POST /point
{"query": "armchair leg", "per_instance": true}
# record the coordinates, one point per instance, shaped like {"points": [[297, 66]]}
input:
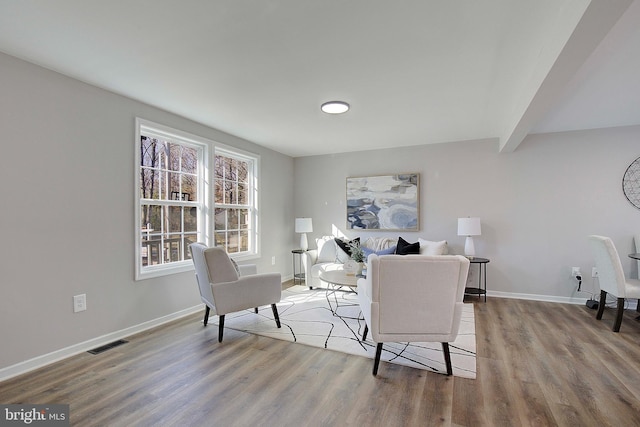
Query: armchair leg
{"points": [[366, 331], [221, 328], [603, 300], [620, 312], [275, 314], [206, 315], [377, 359], [447, 358]]}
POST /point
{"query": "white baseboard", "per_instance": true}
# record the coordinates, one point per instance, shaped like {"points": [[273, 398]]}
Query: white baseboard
{"points": [[55, 356], [631, 304], [535, 297]]}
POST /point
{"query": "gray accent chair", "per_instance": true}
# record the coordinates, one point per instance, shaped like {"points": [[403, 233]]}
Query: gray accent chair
{"points": [[225, 290], [413, 298], [611, 277]]}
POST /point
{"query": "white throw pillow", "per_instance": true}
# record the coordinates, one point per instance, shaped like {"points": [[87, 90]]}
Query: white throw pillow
{"points": [[428, 247], [326, 249]]}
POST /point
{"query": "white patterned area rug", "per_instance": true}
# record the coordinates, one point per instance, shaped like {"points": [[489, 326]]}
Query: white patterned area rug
{"points": [[332, 319]]}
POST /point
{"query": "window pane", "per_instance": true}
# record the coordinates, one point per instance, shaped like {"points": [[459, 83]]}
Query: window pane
{"points": [[174, 185], [163, 185], [149, 184], [173, 249], [188, 239], [231, 193], [243, 171], [221, 239], [218, 193], [242, 194], [175, 219], [220, 219], [189, 160], [152, 214], [233, 242], [173, 152], [244, 218], [148, 153], [191, 219], [189, 187], [232, 219], [244, 240]]}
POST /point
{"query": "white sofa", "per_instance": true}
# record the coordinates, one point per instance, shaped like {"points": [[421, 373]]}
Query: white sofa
{"points": [[329, 256]]}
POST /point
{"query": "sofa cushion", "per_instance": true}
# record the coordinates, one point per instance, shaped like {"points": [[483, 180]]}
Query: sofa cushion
{"points": [[316, 269], [427, 247], [379, 243], [343, 251], [326, 249], [387, 251], [406, 248]]}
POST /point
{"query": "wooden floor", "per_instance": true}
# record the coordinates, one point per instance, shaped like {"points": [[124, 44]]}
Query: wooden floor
{"points": [[538, 364]]}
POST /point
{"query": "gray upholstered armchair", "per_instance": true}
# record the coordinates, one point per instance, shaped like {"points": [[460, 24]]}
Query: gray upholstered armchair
{"points": [[224, 289], [413, 298]]}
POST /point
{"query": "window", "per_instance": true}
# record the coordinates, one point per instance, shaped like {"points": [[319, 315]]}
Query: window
{"points": [[235, 202], [180, 201], [170, 197]]}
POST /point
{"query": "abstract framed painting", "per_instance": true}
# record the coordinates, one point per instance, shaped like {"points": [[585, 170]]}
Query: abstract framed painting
{"points": [[384, 202]]}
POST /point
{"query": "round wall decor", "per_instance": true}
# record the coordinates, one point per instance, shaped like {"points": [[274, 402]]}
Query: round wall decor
{"points": [[631, 183]]}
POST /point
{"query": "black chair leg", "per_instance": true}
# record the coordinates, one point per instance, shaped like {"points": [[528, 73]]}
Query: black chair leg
{"points": [[447, 358], [256, 310], [206, 315], [366, 331], [376, 362], [619, 313], [275, 314], [221, 328], [603, 300]]}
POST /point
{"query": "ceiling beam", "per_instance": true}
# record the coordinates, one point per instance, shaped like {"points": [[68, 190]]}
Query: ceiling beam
{"points": [[597, 20]]}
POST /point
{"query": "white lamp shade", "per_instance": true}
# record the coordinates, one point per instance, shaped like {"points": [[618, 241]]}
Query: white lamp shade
{"points": [[469, 226], [304, 225]]}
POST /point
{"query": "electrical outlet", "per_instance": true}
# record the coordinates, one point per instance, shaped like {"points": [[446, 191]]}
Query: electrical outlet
{"points": [[273, 260], [79, 303], [575, 271], [594, 272]]}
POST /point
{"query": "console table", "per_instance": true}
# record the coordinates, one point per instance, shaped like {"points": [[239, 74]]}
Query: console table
{"points": [[482, 279]]}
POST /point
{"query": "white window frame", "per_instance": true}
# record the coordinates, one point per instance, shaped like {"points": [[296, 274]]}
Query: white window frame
{"points": [[145, 127], [254, 197]]}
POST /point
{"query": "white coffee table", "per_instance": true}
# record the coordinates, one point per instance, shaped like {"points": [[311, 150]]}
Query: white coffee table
{"points": [[339, 278]]}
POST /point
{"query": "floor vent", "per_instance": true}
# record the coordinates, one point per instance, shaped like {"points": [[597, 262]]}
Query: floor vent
{"points": [[106, 347]]}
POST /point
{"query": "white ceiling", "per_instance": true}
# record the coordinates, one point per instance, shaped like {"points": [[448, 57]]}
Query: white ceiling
{"points": [[414, 71]]}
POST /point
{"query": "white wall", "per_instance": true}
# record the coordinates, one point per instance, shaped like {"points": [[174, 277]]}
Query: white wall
{"points": [[537, 205], [67, 227]]}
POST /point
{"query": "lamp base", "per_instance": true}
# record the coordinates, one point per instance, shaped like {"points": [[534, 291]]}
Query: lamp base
{"points": [[304, 245], [469, 249]]}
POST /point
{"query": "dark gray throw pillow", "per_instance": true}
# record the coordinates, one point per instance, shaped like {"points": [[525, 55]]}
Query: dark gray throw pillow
{"points": [[406, 248]]}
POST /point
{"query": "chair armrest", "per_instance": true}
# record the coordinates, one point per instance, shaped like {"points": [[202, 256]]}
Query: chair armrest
{"points": [[248, 269], [309, 258], [364, 286], [247, 292]]}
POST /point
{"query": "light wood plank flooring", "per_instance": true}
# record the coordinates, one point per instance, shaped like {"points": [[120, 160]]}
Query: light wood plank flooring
{"points": [[538, 364]]}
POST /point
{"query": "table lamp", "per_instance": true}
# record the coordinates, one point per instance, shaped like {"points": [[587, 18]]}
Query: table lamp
{"points": [[304, 226], [469, 227]]}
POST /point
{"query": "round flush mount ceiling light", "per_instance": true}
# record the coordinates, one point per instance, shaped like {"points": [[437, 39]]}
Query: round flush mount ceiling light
{"points": [[335, 107]]}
